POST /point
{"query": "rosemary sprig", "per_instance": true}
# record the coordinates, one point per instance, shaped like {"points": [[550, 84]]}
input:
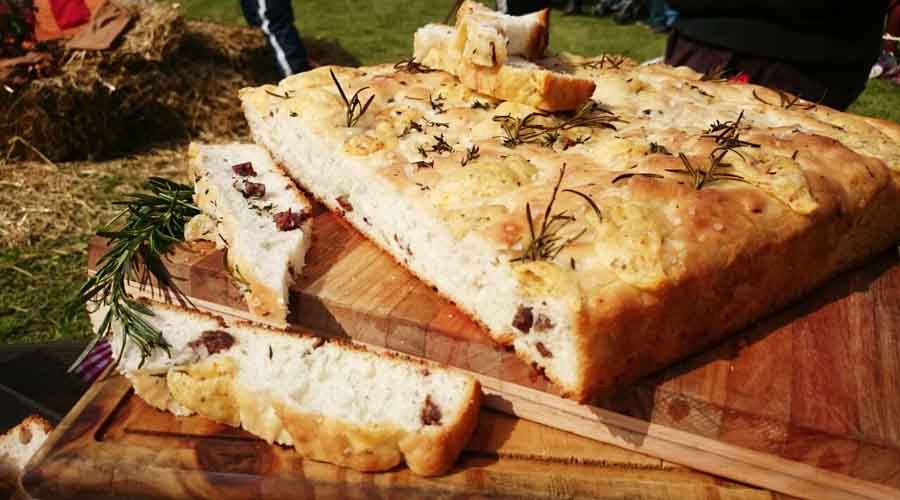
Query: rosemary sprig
{"points": [[412, 67], [546, 243], [701, 177], [152, 223], [355, 108], [788, 101], [718, 73], [472, 153], [628, 175], [437, 105], [529, 129], [605, 61], [287, 95]]}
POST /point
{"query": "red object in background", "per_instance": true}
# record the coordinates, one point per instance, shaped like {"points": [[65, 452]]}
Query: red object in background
{"points": [[740, 78], [70, 13]]}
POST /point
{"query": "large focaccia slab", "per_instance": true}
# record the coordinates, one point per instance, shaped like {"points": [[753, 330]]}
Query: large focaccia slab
{"points": [[687, 208]]}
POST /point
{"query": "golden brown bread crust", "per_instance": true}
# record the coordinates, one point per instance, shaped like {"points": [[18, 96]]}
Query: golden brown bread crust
{"points": [[430, 451], [539, 88], [670, 268], [538, 37], [520, 81], [210, 388]]}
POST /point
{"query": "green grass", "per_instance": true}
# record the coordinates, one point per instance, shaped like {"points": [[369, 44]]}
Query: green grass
{"points": [[35, 285], [37, 280]]}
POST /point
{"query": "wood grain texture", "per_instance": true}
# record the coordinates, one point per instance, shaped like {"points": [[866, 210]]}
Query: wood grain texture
{"points": [[112, 445], [806, 401]]}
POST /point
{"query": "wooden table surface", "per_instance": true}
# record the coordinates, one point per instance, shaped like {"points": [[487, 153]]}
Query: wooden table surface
{"points": [[806, 402]]}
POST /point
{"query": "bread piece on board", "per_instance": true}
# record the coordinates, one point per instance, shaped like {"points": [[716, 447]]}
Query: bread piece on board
{"points": [[517, 80], [17, 446], [331, 400], [253, 210], [444, 179], [487, 38]]}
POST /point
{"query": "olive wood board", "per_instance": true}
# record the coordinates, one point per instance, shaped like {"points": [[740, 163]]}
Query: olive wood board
{"points": [[806, 402]]}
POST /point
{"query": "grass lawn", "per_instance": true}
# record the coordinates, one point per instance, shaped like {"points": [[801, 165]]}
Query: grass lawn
{"points": [[38, 275]]}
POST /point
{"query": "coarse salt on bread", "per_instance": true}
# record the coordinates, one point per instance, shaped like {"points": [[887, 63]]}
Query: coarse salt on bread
{"points": [[253, 210]]}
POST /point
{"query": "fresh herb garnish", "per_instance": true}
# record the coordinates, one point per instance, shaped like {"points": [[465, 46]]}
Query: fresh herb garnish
{"points": [[481, 105], [441, 145], [411, 126], [411, 66], [574, 142], [605, 61], [787, 101], [152, 223], [529, 129], [659, 149], [546, 243], [437, 105], [287, 95], [701, 177], [627, 175], [471, 154], [718, 73], [435, 124], [355, 108]]}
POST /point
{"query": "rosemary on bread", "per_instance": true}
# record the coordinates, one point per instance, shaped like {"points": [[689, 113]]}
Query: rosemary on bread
{"points": [[149, 224]]}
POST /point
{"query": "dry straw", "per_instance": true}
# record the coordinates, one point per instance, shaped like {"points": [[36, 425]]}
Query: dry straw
{"points": [[166, 81]]}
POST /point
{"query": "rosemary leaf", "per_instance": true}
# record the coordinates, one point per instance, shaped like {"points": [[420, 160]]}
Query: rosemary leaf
{"points": [[146, 228]]}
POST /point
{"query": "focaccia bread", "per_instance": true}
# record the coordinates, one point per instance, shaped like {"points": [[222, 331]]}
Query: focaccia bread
{"points": [[488, 38], [17, 446], [686, 208], [514, 79], [331, 400], [252, 209]]}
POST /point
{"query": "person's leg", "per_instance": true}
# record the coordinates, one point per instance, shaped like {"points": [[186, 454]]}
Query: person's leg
{"points": [[834, 86], [276, 19], [681, 51], [892, 26]]}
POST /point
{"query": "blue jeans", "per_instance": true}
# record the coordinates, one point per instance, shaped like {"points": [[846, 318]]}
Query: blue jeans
{"points": [[276, 19]]}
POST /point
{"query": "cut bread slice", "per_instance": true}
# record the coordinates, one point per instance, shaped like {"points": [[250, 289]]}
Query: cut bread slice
{"points": [[487, 38], [332, 400], [517, 80], [254, 210], [17, 446]]}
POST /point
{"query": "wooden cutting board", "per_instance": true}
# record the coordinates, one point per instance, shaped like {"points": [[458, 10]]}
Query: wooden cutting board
{"points": [[806, 402], [112, 445]]}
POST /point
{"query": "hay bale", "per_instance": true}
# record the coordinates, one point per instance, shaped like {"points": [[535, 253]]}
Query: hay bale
{"points": [[168, 81]]}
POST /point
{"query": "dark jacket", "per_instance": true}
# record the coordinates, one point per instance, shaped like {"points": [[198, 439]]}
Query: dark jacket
{"points": [[806, 31]]}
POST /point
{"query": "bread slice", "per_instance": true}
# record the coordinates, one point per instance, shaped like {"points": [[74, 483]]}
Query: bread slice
{"points": [[17, 446], [517, 80], [254, 210], [331, 400], [487, 38], [641, 266]]}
